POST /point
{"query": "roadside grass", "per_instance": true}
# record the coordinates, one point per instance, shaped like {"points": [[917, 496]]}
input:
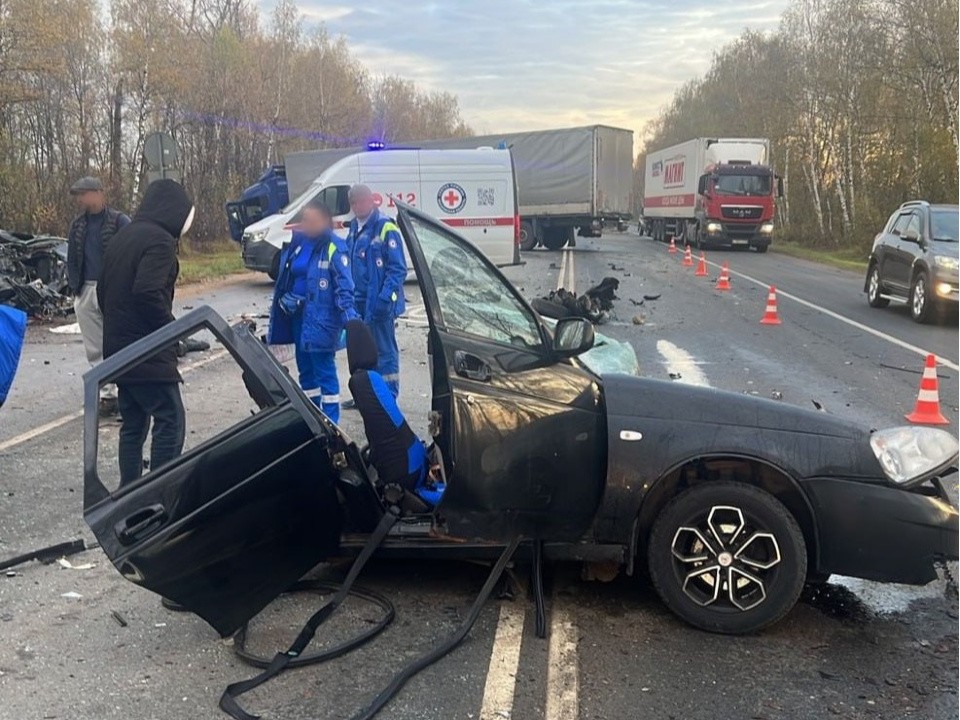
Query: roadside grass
{"points": [[211, 263], [846, 258]]}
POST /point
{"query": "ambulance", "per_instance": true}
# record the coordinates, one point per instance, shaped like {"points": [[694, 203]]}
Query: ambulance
{"points": [[472, 191]]}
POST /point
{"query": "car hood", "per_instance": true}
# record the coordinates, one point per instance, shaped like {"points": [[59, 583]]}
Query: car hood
{"points": [[679, 422], [644, 397]]}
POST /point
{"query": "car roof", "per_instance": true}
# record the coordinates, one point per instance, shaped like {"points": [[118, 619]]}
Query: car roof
{"points": [[923, 203]]}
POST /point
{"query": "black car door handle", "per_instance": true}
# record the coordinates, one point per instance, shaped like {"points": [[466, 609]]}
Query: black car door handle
{"points": [[471, 367], [142, 523]]}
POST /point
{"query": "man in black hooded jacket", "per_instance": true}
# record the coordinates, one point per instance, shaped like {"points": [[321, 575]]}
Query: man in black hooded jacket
{"points": [[136, 297]]}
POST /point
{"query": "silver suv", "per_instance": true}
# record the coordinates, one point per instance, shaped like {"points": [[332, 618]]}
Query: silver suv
{"points": [[914, 260]]}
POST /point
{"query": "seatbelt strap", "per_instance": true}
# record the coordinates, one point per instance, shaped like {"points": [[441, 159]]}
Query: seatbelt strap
{"points": [[228, 701]]}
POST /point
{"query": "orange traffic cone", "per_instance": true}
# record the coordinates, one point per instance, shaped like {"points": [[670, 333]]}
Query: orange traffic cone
{"points": [[723, 282], [687, 258], [673, 247], [770, 317], [701, 266], [927, 409]]}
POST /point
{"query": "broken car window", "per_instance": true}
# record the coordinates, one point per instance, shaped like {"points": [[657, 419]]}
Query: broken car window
{"points": [[473, 299]]}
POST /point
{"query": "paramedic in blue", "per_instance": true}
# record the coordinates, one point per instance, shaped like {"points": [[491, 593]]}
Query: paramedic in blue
{"points": [[379, 270], [312, 302]]}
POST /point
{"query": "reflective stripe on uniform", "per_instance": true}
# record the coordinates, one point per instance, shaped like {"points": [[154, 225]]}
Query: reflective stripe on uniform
{"points": [[313, 392], [329, 399], [387, 228]]}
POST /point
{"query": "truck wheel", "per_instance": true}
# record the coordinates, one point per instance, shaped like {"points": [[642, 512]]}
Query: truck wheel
{"points": [[727, 557], [555, 238], [875, 288], [528, 240], [274, 271]]}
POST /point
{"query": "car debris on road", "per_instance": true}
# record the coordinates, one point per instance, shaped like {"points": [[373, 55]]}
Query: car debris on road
{"points": [[33, 274]]}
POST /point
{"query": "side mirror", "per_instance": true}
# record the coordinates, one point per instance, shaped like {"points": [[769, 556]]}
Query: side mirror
{"points": [[702, 185], [910, 236], [779, 186], [572, 336]]}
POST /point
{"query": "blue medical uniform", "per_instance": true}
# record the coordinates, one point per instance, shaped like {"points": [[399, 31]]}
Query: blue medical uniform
{"points": [[317, 271], [13, 328], [380, 270]]}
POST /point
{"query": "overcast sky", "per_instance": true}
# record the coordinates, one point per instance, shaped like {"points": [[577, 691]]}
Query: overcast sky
{"points": [[531, 64]]}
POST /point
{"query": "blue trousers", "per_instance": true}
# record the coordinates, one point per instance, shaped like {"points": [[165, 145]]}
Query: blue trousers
{"points": [[318, 376], [388, 360]]}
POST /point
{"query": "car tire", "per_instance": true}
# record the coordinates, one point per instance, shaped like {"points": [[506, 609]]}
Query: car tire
{"points": [[717, 532], [874, 288], [528, 239], [761, 248], [274, 271], [921, 304]]}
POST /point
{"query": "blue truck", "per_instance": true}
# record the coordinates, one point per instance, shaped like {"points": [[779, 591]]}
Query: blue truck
{"points": [[267, 196]]}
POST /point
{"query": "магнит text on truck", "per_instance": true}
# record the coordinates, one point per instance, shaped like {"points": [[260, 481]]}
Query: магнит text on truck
{"points": [[712, 192]]}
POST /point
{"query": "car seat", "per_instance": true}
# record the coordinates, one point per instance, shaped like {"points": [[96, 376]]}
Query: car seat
{"points": [[400, 458]]}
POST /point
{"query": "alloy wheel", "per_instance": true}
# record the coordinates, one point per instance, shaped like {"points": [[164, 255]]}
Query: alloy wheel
{"points": [[724, 560], [919, 296], [874, 289]]}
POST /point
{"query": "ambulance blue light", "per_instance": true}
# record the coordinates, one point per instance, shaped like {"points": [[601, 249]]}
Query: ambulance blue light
{"points": [[374, 145]]}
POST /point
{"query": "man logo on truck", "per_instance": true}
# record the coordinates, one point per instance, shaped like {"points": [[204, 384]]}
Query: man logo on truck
{"points": [[451, 198]]}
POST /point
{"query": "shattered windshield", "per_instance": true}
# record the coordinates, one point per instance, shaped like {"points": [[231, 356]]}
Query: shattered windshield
{"points": [[743, 184], [473, 299]]}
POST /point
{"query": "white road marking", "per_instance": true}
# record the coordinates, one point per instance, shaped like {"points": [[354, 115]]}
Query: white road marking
{"points": [[504, 660], [844, 319], [563, 675], [38, 431], [63, 420], [681, 363]]}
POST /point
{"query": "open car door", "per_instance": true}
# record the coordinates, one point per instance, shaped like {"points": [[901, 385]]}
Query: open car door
{"points": [[522, 429], [233, 522]]}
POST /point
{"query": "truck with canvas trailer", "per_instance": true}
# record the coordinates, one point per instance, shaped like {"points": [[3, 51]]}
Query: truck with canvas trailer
{"points": [[710, 192]]}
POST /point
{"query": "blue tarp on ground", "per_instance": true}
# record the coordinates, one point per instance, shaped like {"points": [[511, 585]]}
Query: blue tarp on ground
{"points": [[13, 327]]}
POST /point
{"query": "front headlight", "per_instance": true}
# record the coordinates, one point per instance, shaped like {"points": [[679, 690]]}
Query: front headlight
{"points": [[912, 454], [947, 263], [766, 228], [713, 227], [255, 237]]}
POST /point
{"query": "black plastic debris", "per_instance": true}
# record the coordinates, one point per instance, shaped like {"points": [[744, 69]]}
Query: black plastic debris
{"points": [[594, 305], [33, 274], [189, 345]]}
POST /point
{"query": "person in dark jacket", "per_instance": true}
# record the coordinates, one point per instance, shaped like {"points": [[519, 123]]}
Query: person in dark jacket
{"points": [[89, 234], [312, 301], [136, 296]]}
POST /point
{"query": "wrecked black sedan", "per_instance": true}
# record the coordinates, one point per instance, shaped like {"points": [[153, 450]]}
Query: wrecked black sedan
{"points": [[730, 503]]}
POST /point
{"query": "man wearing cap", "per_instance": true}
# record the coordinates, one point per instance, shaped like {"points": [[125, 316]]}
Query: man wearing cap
{"points": [[379, 271], [89, 234]]}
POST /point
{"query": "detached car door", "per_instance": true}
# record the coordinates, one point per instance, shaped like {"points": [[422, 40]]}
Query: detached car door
{"points": [[233, 522], [522, 431]]}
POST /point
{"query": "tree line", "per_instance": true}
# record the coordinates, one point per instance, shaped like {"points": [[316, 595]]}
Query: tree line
{"points": [[81, 87], [859, 100]]}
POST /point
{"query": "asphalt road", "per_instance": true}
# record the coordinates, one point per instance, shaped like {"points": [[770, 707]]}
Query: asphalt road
{"points": [[853, 650]]}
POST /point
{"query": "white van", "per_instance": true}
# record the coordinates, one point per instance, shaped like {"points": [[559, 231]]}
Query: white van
{"points": [[473, 191]]}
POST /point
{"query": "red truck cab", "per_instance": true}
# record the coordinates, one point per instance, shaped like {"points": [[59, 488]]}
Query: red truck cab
{"points": [[735, 205]]}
